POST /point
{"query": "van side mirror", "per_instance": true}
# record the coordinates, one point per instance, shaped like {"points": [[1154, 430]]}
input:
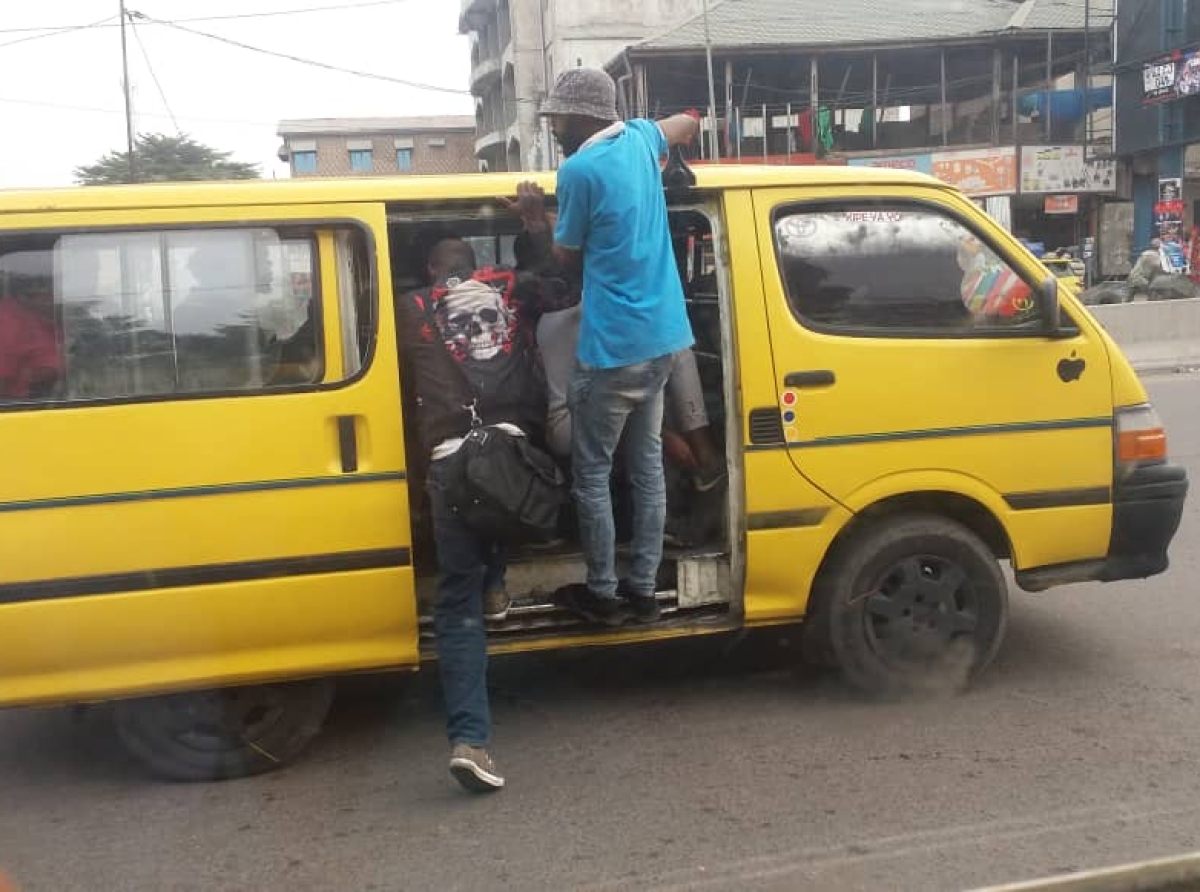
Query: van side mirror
{"points": [[1048, 310]]}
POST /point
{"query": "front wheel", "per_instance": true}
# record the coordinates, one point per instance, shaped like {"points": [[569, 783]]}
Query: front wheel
{"points": [[912, 604], [223, 733]]}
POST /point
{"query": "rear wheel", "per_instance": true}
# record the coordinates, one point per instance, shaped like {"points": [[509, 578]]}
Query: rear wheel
{"points": [[912, 604], [224, 733]]}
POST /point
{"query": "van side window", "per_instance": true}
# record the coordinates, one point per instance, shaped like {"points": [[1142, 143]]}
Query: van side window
{"points": [[878, 270], [111, 315]]}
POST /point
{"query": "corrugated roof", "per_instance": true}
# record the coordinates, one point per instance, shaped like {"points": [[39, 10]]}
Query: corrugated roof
{"points": [[759, 23], [343, 126], [1045, 15]]}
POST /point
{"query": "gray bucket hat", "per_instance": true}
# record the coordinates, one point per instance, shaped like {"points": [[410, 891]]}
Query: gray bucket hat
{"points": [[587, 92]]}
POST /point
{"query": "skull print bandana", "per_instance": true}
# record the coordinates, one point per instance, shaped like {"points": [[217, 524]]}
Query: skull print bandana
{"points": [[474, 318]]}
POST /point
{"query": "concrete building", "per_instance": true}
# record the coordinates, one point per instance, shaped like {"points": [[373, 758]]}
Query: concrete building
{"points": [[520, 46], [1157, 68], [327, 147]]}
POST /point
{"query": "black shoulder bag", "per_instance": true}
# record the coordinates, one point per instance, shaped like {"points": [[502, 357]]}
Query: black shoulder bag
{"points": [[504, 487]]}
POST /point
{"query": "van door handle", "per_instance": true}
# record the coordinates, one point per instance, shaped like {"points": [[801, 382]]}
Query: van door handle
{"points": [[348, 443], [815, 378]]}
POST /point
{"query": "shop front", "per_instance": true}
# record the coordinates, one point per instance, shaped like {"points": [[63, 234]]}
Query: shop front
{"points": [[1062, 192]]}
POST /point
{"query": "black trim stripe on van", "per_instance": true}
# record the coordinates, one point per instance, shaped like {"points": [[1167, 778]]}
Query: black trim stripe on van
{"points": [[786, 520], [941, 433], [209, 574], [186, 492], [1059, 498]]}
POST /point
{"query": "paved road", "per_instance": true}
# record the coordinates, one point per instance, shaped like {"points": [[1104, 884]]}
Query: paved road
{"points": [[683, 766]]}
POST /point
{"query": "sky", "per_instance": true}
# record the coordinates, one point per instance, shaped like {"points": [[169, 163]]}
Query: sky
{"points": [[61, 103]]}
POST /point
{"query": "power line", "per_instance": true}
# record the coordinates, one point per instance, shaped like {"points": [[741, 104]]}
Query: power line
{"points": [[161, 94], [340, 7], [102, 23], [303, 61], [116, 111], [51, 30]]}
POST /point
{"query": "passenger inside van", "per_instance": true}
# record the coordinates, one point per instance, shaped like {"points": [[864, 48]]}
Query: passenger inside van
{"points": [[219, 343], [31, 361], [687, 427], [697, 518], [688, 441], [297, 357]]}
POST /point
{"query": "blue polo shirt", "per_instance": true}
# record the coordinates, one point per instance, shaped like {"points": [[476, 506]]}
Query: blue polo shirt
{"points": [[611, 207]]}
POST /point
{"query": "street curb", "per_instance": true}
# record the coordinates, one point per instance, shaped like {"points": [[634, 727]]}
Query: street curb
{"points": [[1163, 875], [1167, 368], [1154, 336]]}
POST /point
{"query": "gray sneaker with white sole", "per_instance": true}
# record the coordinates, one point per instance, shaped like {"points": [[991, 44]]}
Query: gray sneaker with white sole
{"points": [[496, 605], [474, 769]]}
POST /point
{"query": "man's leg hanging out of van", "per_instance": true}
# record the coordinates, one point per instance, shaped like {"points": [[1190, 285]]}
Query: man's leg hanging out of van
{"points": [[463, 562]]}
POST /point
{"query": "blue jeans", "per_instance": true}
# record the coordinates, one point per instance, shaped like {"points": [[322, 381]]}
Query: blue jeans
{"points": [[468, 565], [606, 403]]}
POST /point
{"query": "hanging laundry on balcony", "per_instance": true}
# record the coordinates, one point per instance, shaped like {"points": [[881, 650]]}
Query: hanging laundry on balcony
{"points": [[825, 128], [1067, 106]]}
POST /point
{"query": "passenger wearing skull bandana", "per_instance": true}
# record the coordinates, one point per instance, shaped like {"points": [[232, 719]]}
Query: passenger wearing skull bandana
{"points": [[469, 357]]}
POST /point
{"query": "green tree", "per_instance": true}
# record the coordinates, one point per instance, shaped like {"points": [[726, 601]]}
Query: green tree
{"points": [[164, 159]]}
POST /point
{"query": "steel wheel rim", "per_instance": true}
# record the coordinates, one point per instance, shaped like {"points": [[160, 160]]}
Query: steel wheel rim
{"points": [[219, 721], [918, 608]]}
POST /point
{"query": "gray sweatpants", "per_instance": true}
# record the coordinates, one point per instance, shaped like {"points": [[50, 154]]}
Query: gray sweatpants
{"points": [[558, 337]]}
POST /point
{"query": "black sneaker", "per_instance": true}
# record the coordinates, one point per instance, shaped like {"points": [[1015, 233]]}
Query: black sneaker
{"points": [[546, 544], [644, 608], [592, 607], [708, 479], [677, 535]]}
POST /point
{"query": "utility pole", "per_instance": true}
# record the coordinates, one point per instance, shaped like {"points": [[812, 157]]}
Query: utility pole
{"points": [[713, 143], [128, 97]]}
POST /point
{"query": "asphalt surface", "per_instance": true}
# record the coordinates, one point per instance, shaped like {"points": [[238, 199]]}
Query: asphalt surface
{"points": [[706, 765]]}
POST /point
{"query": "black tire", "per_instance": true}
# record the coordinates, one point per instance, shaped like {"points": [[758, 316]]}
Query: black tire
{"points": [[911, 604], [223, 733]]}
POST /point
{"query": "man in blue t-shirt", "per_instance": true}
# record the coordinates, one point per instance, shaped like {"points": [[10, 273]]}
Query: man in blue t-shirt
{"points": [[612, 222]]}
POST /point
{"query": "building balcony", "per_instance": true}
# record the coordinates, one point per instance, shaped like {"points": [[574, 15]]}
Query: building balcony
{"points": [[484, 73], [484, 143], [473, 12]]}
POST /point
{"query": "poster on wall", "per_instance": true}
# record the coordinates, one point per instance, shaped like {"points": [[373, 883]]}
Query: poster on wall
{"points": [[1065, 169], [1168, 210], [1062, 204], [978, 171], [1173, 257], [1171, 77]]}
